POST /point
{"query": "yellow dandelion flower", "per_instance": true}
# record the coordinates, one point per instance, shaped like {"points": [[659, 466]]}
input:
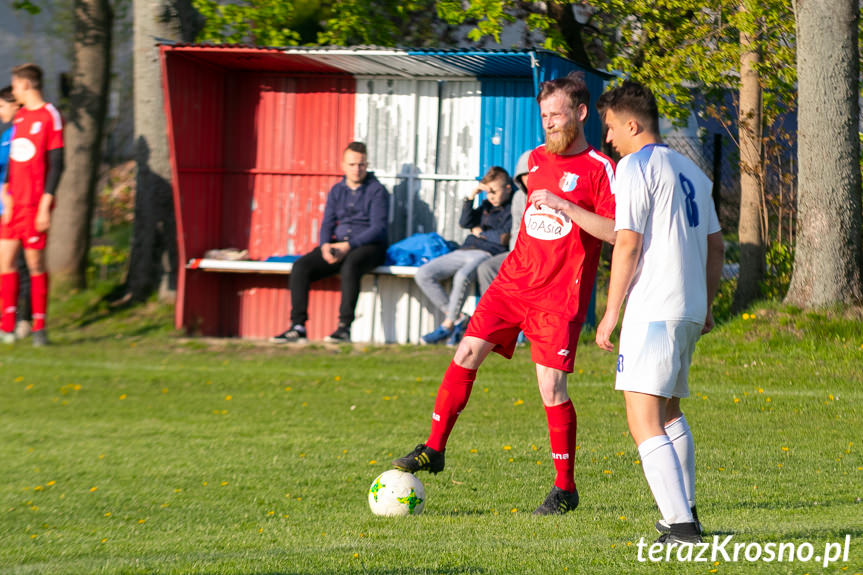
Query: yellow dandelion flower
{"points": [[356, 555], [164, 390], [289, 388], [373, 461], [94, 488], [205, 484], [122, 397], [50, 483], [229, 397], [38, 488], [141, 521], [539, 462], [108, 514], [104, 540], [767, 400], [386, 398], [746, 316], [271, 513], [19, 379], [607, 471], [223, 483], [511, 459], [779, 465], [338, 378], [518, 402], [622, 517], [514, 510], [736, 400], [473, 451], [760, 390], [784, 448], [507, 447], [29, 387]]}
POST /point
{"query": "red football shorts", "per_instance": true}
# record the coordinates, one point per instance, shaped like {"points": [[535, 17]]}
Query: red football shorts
{"points": [[23, 227], [500, 317]]}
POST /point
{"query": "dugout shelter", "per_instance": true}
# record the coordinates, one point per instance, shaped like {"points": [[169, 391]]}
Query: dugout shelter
{"points": [[256, 137]]}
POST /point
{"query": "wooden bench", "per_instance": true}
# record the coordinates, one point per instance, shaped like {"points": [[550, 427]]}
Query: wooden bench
{"points": [[390, 309]]}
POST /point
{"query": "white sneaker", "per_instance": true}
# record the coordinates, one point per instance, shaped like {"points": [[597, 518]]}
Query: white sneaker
{"points": [[7, 337], [23, 329]]}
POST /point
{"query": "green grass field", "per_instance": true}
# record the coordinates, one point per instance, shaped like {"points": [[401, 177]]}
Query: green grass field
{"points": [[126, 449]]}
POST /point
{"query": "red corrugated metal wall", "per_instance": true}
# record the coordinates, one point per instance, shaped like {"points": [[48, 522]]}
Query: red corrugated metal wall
{"points": [[281, 163], [195, 129], [256, 155]]}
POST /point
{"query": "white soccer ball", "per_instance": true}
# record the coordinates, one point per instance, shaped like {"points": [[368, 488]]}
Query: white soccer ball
{"points": [[395, 493]]}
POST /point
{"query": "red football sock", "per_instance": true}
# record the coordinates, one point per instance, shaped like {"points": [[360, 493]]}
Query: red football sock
{"points": [[452, 396], [39, 299], [562, 424], [9, 297]]}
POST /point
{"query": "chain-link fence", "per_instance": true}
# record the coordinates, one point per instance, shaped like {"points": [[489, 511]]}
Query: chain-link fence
{"points": [[718, 157]]}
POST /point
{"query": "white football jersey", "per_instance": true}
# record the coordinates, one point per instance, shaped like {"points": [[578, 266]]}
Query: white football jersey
{"points": [[664, 196]]}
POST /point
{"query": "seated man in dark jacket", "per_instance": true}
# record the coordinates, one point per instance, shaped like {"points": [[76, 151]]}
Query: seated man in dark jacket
{"points": [[490, 226], [353, 242]]}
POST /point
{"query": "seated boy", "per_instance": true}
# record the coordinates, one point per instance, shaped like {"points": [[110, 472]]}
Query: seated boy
{"points": [[490, 226]]}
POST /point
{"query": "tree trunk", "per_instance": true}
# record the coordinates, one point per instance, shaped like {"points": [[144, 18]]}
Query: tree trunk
{"points": [[70, 226], [570, 29], [153, 258], [827, 261], [749, 229]]}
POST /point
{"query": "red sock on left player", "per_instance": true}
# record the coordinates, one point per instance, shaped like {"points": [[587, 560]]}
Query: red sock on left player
{"points": [[562, 425], [9, 298], [39, 299]]}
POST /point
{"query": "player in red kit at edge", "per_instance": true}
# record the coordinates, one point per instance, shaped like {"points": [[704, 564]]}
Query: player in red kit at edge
{"points": [[543, 287], [35, 165]]}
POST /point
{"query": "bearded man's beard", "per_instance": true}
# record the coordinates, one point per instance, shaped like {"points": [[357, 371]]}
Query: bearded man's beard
{"points": [[557, 141]]}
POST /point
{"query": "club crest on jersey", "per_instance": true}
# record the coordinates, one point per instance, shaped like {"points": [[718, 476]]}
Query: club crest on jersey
{"points": [[568, 181], [545, 223], [35, 128]]}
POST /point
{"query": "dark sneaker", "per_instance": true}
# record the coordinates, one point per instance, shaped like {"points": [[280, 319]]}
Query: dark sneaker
{"points": [[296, 334], [663, 527], [40, 338], [558, 502], [422, 458], [458, 330], [437, 336], [341, 335], [681, 534]]}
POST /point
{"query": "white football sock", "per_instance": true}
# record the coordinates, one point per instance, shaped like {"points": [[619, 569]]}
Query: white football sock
{"points": [[665, 478], [680, 435]]}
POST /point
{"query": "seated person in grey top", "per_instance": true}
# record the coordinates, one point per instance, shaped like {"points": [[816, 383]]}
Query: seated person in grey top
{"points": [[490, 226]]}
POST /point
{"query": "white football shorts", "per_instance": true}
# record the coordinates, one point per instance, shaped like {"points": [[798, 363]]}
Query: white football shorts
{"points": [[654, 357]]}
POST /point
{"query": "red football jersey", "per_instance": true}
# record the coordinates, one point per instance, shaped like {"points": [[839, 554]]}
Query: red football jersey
{"points": [[553, 258], [36, 132]]}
